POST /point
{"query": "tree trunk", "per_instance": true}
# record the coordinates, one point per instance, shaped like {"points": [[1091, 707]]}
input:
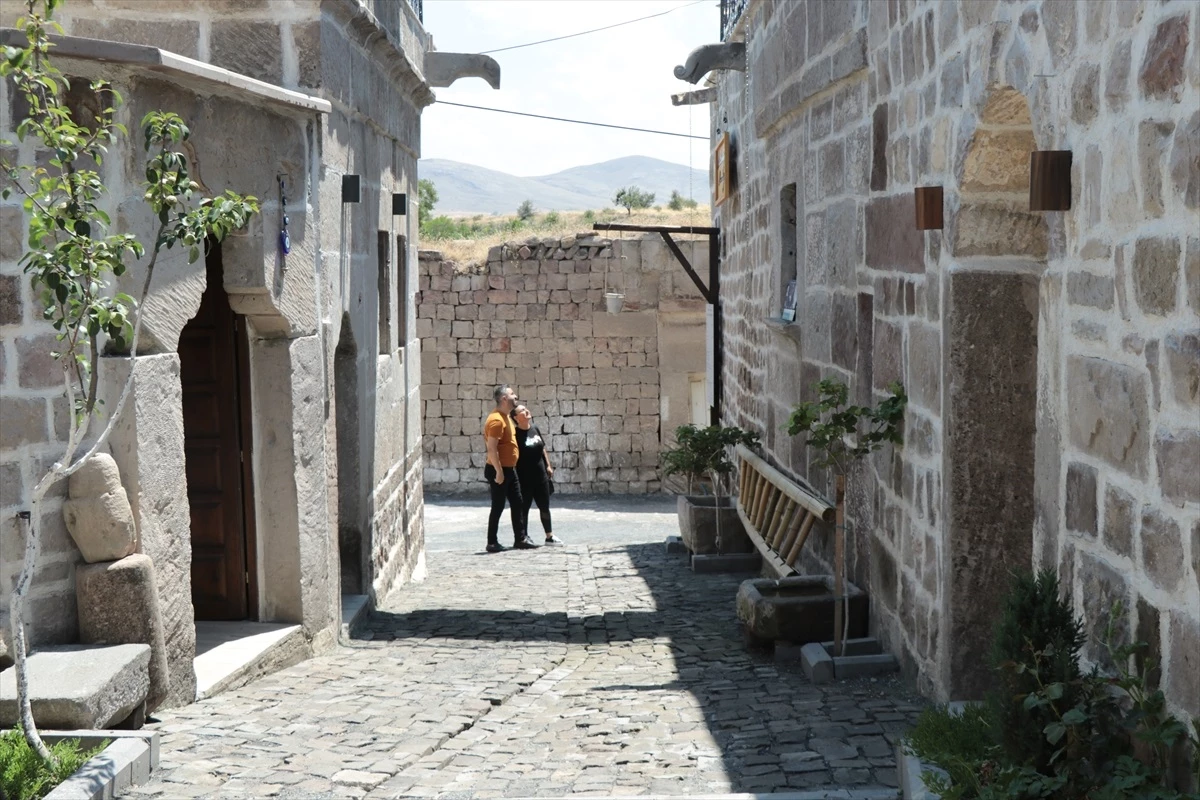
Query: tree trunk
{"points": [[16, 608]]}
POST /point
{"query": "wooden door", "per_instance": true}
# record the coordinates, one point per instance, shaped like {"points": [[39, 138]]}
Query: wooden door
{"points": [[212, 354]]}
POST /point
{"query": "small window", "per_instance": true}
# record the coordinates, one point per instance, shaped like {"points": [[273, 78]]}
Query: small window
{"points": [[404, 299], [788, 287], [383, 244]]}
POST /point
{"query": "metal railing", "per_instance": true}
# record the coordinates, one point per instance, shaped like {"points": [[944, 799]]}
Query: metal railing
{"points": [[418, 6], [731, 12]]}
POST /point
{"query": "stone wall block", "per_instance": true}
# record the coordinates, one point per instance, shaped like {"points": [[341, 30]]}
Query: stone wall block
{"points": [[893, 242], [1178, 457], [1109, 412], [1120, 519], [1162, 70], [1088, 289], [12, 306], [1183, 364], [998, 161], [1153, 142], [1156, 274], [1085, 92], [1183, 661], [1162, 549], [1116, 77], [999, 229], [1102, 586], [175, 36], [1081, 498], [1185, 161], [924, 377], [251, 48]]}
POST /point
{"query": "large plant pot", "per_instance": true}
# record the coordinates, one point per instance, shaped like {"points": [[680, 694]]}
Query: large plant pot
{"points": [[698, 526], [797, 609]]}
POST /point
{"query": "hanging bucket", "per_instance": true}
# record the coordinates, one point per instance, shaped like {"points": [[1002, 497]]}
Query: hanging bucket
{"points": [[614, 301]]}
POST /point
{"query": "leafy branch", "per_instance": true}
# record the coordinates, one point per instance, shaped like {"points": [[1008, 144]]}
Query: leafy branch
{"points": [[841, 438]]}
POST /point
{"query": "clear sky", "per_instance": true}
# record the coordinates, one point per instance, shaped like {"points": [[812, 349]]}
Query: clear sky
{"points": [[622, 76]]}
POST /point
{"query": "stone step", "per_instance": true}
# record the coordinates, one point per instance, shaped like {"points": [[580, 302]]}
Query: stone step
{"points": [[231, 654], [80, 686]]}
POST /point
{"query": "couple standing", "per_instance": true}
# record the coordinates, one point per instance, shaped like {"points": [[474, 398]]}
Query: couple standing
{"points": [[518, 470]]}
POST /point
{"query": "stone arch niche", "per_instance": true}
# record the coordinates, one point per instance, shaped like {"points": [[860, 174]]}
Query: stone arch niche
{"points": [[998, 252]]}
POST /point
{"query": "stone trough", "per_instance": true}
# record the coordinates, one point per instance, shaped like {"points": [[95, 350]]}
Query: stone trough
{"points": [[796, 609]]}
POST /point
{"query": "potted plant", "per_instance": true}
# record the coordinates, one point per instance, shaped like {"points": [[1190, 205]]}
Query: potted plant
{"points": [[708, 523], [840, 434]]}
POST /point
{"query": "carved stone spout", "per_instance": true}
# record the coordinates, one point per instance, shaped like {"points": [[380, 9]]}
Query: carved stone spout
{"points": [[706, 58], [443, 69]]}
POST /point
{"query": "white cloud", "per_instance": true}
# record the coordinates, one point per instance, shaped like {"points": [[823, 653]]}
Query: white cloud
{"points": [[621, 76]]}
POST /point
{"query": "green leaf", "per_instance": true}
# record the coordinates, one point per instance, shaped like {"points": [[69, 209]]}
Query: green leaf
{"points": [[1054, 732], [1074, 716]]}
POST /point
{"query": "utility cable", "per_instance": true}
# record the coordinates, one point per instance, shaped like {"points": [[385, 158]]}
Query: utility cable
{"points": [[593, 30], [576, 121]]}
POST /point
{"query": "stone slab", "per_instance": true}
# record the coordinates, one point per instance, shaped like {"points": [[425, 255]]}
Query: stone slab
{"points": [[845, 667], [674, 545], [231, 654], [910, 768], [80, 686], [732, 562], [817, 663]]}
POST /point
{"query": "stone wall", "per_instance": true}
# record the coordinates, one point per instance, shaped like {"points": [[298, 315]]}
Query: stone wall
{"points": [[348, 267], [1051, 359], [605, 389]]}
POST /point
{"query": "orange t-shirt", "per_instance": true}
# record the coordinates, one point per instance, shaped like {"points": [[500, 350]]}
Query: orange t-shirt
{"points": [[500, 427]]}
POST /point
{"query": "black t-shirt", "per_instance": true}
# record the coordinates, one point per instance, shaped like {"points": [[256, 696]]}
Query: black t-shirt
{"points": [[531, 446]]}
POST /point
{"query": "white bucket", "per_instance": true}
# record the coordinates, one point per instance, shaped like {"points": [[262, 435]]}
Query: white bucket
{"points": [[614, 301]]}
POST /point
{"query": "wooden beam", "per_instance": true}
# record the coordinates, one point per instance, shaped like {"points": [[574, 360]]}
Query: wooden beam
{"points": [[621, 226]]}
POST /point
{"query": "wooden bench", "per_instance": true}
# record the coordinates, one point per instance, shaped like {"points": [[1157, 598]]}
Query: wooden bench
{"points": [[778, 514]]}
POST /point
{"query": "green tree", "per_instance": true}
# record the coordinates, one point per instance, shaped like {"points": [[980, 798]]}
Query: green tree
{"points": [[427, 197], [632, 197], [679, 202], [525, 211], [71, 258]]}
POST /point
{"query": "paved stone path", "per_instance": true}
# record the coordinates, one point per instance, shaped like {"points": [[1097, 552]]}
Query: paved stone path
{"points": [[590, 670]]}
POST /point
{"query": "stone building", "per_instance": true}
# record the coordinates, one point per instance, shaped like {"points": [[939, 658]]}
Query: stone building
{"points": [[1052, 359], [271, 449], [607, 389]]}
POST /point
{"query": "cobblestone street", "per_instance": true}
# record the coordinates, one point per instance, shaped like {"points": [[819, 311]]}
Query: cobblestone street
{"points": [[595, 669]]}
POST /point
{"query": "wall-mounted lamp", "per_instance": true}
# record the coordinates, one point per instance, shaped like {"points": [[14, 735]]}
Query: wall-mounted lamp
{"points": [[351, 189], [399, 204], [1050, 180], [929, 207]]}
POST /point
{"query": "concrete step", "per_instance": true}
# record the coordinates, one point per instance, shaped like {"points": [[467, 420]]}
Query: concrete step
{"points": [[232, 654]]}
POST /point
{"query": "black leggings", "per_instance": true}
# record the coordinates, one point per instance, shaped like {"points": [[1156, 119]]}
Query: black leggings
{"points": [[535, 489], [510, 490]]}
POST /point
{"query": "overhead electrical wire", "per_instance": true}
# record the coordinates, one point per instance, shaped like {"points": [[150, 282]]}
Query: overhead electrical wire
{"points": [[593, 30], [576, 121]]}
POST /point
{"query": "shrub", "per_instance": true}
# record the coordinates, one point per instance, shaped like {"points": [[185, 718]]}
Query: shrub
{"points": [[24, 776], [1033, 619], [679, 202], [551, 219]]}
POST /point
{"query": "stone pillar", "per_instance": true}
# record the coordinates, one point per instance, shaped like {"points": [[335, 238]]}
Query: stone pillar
{"points": [[147, 445], [990, 357]]}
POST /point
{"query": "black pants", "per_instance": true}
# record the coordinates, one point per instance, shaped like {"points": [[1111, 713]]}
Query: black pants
{"points": [[510, 490], [534, 488]]}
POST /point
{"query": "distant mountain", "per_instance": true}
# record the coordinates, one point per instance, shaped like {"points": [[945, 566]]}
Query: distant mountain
{"points": [[466, 188]]}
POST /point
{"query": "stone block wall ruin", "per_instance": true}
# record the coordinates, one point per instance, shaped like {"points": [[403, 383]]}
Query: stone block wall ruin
{"points": [[605, 389], [1051, 359]]}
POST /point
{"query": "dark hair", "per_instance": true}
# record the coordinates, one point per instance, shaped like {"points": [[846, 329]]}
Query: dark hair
{"points": [[499, 391], [513, 413]]}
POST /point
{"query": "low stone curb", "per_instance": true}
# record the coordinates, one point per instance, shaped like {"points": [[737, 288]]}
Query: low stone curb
{"points": [[881, 793], [127, 761]]}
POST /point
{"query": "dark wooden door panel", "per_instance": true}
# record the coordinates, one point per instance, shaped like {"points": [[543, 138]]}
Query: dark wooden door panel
{"points": [[213, 397]]}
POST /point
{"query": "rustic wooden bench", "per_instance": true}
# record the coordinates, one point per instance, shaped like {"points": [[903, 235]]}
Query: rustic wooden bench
{"points": [[778, 513]]}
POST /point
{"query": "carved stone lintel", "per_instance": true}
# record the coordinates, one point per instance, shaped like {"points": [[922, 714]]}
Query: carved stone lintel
{"points": [[443, 69]]}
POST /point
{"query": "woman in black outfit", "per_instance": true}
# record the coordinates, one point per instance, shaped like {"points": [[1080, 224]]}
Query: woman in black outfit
{"points": [[534, 470]]}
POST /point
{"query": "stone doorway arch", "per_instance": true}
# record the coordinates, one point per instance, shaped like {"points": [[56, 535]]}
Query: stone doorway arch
{"points": [[998, 253]]}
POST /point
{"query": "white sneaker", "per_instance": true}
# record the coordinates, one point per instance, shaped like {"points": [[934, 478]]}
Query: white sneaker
{"points": [[552, 539]]}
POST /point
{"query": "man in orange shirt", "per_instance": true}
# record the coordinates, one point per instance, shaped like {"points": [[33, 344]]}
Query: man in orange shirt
{"points": [[501, 473]]}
